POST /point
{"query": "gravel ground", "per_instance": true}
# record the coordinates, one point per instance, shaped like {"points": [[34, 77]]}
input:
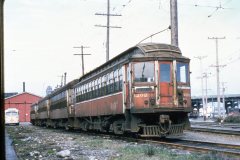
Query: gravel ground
{"points": [[31, 142]]}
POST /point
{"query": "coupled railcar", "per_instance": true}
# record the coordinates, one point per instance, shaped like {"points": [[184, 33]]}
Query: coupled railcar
{"points": [[144, 90]]}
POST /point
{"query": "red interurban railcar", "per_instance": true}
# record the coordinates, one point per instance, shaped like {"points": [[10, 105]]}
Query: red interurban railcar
{"points": [[144, 90]]}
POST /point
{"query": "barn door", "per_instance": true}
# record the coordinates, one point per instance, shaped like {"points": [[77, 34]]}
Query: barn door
{"points": [[166, 84]]}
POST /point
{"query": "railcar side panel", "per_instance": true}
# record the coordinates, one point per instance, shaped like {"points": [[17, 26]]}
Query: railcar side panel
{"points": [[109, 105], [33, 116], [43, 115], [59, 113]]}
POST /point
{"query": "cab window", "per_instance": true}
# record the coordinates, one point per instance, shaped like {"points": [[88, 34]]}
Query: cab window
{"points": [[182, 72], [144, 72]]}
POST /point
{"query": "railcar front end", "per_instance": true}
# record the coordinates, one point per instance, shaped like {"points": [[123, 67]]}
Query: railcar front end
{"points": [[158, 88]]}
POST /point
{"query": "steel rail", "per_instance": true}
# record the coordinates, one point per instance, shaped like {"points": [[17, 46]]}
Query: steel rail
{"points": [[199, 146], [214, 130]]}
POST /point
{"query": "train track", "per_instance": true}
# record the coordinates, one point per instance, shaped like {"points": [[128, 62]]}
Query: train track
{"points": [[184, 144], [216, 130], [198, 146]]}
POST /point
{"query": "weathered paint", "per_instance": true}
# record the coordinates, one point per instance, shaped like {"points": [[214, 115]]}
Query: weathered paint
{"points": [[107, 105], [58, 113]]}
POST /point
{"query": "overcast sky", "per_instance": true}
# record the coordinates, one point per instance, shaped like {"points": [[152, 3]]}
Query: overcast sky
{"points": [[40, 36]]}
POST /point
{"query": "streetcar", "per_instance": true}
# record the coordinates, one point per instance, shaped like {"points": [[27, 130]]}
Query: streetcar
{"points": [[11, 116]]}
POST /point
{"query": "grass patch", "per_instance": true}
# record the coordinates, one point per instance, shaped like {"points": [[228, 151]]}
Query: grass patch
{"points": [[94, 143], [50, 151], [142, 152]]}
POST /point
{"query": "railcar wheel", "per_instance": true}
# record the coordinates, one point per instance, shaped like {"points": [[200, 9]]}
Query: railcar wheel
{"points": [[118, 127]]}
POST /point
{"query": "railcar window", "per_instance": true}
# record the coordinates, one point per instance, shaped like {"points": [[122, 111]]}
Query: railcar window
{"points": [[99, 86], [111, 82], [165, 74], [144, 72], [120, 78], [81, 90], [116, 84], [99, 83], [182, 72], [128, 74]]}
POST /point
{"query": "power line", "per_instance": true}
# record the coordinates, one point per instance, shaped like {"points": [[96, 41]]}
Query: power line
{"points": [[217, 7], [235, 56]]}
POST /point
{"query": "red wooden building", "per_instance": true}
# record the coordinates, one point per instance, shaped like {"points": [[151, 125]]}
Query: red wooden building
{"points": [[22, 102]]}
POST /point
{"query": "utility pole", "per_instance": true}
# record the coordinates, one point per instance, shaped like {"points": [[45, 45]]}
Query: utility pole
{"points": [[223, 95], [108, 26], [217, 71], [174, 22], [206, 76], [200, 58], [82, 47]]}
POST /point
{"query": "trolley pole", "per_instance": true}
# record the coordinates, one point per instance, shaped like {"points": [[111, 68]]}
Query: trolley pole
{"points": [[82, 47], [174, 22], [65, 78], [217, 71]]}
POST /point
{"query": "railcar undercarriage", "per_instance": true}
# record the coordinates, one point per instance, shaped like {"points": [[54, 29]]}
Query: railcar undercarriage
{"points": [[144, 125]]}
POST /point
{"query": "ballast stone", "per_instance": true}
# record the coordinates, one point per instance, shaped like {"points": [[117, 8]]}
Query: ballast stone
{"points": [[63, 153]]}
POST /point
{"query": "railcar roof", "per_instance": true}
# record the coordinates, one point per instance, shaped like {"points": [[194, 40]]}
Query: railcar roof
{"points": [[166, 50], [65, 87], [58, 90]]}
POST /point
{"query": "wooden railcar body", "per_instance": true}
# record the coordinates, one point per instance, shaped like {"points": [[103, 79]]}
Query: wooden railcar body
{"points": [[144, 90]]}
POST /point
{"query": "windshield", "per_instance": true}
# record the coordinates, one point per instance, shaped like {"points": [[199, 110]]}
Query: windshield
{"points": [[11, 113], [144, 72], [182, 72]]}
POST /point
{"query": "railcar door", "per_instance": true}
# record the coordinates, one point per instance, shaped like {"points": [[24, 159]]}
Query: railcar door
{"points": [[126, 73], [166, 84], [70, 106]]}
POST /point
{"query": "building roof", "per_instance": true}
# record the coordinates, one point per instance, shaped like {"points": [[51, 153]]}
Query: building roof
{"points": [[21, 94], [6, 95]]}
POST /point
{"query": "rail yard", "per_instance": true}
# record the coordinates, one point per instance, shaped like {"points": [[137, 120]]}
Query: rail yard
{"points": [[150, 99]]}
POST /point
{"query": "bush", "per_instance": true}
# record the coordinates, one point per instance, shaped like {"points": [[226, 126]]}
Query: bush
{"points": [[232, 119]]}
